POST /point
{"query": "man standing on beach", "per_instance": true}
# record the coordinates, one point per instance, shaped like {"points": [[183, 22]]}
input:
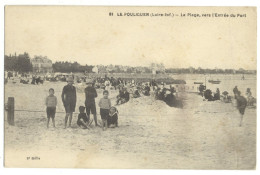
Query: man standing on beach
{"points": [[90, 95], [69, 99]]}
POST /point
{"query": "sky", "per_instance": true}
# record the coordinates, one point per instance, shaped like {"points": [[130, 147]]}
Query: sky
{"points": [[90, 36]]}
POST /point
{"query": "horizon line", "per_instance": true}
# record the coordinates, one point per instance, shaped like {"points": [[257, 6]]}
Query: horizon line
{"points": [[126, 65]]}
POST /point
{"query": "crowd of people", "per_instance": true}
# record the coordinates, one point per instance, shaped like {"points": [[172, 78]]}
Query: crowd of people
{"points": [[127, 88], [241, 101], [108, 113], [25, 78], [168, 95]]}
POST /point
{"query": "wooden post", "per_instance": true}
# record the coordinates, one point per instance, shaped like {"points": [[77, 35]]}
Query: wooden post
{"points": [[10, 114]]}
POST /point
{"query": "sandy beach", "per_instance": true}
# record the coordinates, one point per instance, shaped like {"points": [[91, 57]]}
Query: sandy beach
{"points": [[202, 135]]}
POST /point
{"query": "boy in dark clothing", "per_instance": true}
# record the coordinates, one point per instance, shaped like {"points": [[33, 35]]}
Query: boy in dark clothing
{"points": [[90, 95], [83, 119], [241, 106], [69, 99]]}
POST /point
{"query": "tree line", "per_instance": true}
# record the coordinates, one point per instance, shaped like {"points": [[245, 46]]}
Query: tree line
{"points": [[22, 64], [67, 67], [208, 71]]}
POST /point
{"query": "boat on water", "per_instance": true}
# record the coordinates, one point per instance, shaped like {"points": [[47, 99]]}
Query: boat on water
{"points": [[214, 81], [196, 82]]}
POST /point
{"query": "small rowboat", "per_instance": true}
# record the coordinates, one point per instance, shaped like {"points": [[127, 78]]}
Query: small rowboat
{"points": [[214, 81], [198, 82]]}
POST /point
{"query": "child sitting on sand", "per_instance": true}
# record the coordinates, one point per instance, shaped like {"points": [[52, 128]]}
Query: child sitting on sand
{"points": [[123, 96], [226, 97], [83, 119], [112, 119], [104, 105], [51, 103]]}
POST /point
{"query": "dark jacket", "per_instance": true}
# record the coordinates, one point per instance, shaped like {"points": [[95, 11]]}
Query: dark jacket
{"points": [[90, 95], [69, 95]]}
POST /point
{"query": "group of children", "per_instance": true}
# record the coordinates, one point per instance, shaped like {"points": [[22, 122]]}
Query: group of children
{"points": [[109, 113]]}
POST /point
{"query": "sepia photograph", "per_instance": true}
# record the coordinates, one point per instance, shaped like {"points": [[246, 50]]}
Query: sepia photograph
{"points": [[128, 87]]}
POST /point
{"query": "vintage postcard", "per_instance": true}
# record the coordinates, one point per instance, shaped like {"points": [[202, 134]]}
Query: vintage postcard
{"points": [[130, 87]]}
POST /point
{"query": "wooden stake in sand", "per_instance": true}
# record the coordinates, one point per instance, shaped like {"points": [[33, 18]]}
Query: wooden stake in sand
{"points": [[10, 114]]}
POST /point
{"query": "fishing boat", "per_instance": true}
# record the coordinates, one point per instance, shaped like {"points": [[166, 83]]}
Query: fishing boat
{"points": [[196, 82], [214, 81]]}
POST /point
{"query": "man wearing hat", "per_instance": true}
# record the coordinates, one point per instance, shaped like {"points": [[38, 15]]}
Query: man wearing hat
{"points": [[69, 99], [91, 94]]}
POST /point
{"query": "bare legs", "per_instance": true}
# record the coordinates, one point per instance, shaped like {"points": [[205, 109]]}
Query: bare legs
{"points": [[95, 118], [87, 124], [104, 124], [68, 116], [70, 119], [48, 122], [241, 119], [53, 122], [90, 122]]}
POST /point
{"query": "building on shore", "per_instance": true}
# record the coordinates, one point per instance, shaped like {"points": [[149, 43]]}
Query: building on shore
{"points": [[95, 69], [157, 68], [41, 64]]}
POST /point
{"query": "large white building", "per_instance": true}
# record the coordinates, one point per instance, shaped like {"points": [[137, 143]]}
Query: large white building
{"points": [[41, 64], [157, 68]]}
